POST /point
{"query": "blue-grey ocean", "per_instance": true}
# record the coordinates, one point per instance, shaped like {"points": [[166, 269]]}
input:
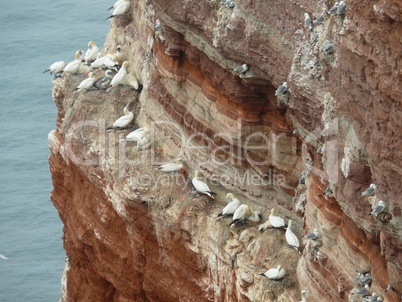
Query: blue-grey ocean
{"points": [[33, 35]]}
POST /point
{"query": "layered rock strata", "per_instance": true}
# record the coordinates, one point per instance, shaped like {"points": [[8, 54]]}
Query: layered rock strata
{"points": [[133, 233]]}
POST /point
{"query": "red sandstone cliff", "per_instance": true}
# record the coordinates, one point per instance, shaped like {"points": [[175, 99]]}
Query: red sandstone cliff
{"points": [[135, 234]]}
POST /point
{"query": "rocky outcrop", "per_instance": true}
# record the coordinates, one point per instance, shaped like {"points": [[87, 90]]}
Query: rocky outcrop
{"points": [[133, 233]]}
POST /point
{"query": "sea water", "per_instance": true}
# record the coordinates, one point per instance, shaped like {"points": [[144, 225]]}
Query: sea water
{"points": [[33, 35]]}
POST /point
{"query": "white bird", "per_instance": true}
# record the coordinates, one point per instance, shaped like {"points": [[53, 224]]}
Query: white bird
{"points": [[144, 142], [291, 238], [3, 257], [120, 9], [341, 8], [120, 77], [334, 8], [82, 54], [73, 65], [304, 295], [117, 3], [379, 208], [108, 61], [241, 68], [136, 135], [274, 273], [370, 190], [313, 235], [372, 298], [91, 53], [231, 207], [307, 21], [104, 82], [201, 186], [240, 214], [87, 83], [276, 221], [172, 167], [124, 120], [254, 217], [282, 89], [56, 68]]}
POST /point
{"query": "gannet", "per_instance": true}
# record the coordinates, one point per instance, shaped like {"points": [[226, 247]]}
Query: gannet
{"points": [[370, 190], [307, 21], [145, 141], [56, 68], [120, 9], [255, 216], [104, 82], [341, 8], [304, 294], [87, 83], [73, 65], [108, 61], [313, 235], [379, 208], [231, 207], [136, 135], [172, 167], [274, 273], [91, 53], [241, 213], [117, 3], [124, 120], [291, 238], [119, 55], [120, 77], [282, 89], [82, 54], [276, 221], [201, 186]]}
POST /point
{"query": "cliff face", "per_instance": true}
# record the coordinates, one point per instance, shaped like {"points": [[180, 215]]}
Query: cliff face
{"points": [[136, 234]]}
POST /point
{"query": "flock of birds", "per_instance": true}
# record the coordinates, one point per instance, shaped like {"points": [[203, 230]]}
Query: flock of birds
{"points": [[115, 75], [86, 62], [242, 212]]}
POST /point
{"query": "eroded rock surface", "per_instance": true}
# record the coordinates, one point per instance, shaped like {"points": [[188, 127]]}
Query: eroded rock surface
{"points": [[133, 233]]}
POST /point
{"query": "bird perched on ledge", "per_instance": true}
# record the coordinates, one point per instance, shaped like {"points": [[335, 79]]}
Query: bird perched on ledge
{"points": [[172, 167], [122, 121], [282, 89], [274, 273], [87, 83], [56, 68], [201, 186], [370, 190], [120, 77], [240, 68], [231, 207], [291, 238], [120, 8]]}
